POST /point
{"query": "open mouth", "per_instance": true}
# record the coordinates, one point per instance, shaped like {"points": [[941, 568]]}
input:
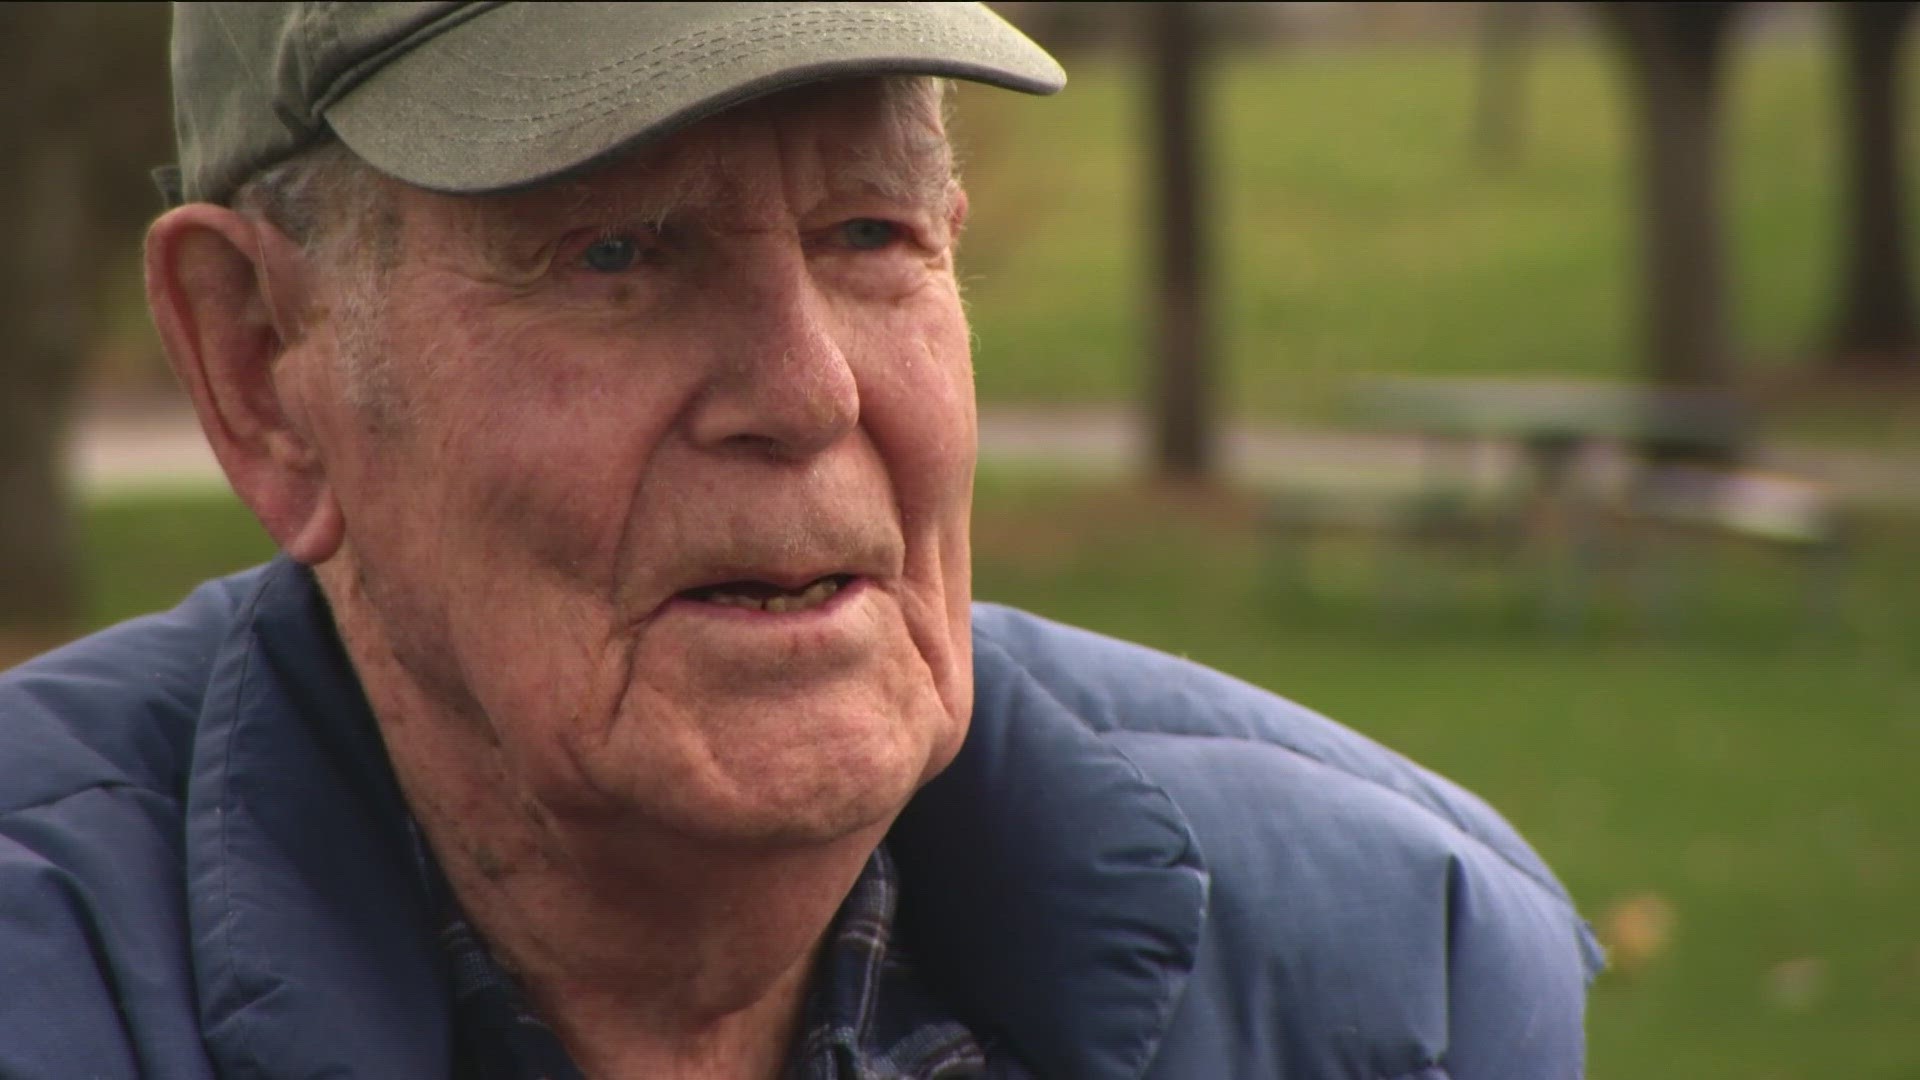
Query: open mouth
{"points": [[765, 596]]}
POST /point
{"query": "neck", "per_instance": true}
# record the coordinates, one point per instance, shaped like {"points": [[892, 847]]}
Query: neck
{"points": [[649, 953], [649, 961], [648, 957]]}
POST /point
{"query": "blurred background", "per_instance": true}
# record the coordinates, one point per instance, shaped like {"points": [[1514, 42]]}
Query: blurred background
{"points": [[1532, 386]]}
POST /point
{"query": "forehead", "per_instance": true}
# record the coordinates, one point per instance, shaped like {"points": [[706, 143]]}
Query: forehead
{"points": [[856, 139]]}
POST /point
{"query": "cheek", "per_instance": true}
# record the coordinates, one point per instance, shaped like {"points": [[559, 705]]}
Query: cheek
{"points": [[526, 440], [918, 408], [917, 405]]}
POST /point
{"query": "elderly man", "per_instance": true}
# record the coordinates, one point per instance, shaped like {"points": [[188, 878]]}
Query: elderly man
{"points": [[617, 707]]}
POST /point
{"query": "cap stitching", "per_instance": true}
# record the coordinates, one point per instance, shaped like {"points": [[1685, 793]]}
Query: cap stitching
{"points": [[324, 24], [701, 57], [392, 40], [590, 103], [729, 30], [690, 46], [246, 62], [213, 173]]}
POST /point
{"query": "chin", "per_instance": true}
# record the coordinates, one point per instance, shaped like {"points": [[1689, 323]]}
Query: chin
{"points": [[846, 804], [822, 774]]}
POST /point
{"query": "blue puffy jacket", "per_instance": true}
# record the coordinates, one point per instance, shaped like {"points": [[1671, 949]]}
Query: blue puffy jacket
{"points": [[1136, 868]]}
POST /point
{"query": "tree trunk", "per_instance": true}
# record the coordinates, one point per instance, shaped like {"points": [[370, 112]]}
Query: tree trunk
{"points": [[40, 327], [1674, 56], [1183, 448], [1499, 111], [1876, 331], [38, 590], [83, 118]]}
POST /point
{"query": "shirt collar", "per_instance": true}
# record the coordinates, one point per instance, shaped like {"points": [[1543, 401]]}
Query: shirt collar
{"points": [[866, 1017], [1040, 850]]}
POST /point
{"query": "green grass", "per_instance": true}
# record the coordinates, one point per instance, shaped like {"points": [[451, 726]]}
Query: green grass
{"points": [[1760, 782], [1357, 235], [144, 552]]}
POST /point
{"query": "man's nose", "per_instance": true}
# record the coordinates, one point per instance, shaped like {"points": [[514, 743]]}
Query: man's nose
{"points": [[781, 383]]}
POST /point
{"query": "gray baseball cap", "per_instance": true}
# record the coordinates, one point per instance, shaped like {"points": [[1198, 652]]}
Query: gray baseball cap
{"points": [[473, 97]]}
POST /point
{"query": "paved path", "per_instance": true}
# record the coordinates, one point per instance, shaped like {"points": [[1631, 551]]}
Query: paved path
{"points": [[157, 444], [114, 451]]}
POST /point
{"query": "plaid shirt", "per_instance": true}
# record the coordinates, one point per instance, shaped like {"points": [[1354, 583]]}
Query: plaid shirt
{"points": [[865, 1018]]}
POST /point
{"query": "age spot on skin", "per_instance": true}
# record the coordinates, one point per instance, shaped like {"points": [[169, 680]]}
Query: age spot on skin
{"points": [[488, 863]]}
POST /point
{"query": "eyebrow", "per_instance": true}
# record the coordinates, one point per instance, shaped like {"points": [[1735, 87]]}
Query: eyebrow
{"points": [[924, 175], [918, 168]]}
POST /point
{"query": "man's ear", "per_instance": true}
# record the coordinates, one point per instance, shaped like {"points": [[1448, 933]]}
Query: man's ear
{"points": [[228, 294], [956, 212]]}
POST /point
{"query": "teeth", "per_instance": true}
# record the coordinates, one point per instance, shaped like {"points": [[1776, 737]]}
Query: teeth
{"points": [[812, 596]]}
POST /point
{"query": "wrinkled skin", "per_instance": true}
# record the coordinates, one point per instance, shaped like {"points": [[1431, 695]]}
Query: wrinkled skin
{"points": [[586, 415], [735, 355]]}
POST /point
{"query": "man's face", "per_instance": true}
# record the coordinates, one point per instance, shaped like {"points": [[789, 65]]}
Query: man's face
{"points": [[670, 499]]}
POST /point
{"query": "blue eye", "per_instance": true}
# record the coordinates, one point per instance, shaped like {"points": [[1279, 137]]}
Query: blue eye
{"points": [[611, 254], [869, 234]]}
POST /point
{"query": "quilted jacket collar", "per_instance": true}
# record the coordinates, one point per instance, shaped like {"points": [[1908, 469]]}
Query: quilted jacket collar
{"points": [[1053, 893]]}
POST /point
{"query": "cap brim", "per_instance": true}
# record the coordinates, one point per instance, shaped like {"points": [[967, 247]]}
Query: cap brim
{"points": [[525, 92]]}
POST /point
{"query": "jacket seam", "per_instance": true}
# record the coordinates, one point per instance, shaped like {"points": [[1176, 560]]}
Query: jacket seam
{"points": [[105, 785], [1453, 826], [1150, 1049], [1551, 887], [229, 920]]}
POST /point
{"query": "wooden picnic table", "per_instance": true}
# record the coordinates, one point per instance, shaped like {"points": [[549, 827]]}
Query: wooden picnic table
{"points": [[1529, 411], [1566, 515], [1639, 518], [1551, 422]]}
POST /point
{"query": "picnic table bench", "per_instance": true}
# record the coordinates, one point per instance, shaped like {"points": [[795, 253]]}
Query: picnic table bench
{"points": [[1580, 490]]}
